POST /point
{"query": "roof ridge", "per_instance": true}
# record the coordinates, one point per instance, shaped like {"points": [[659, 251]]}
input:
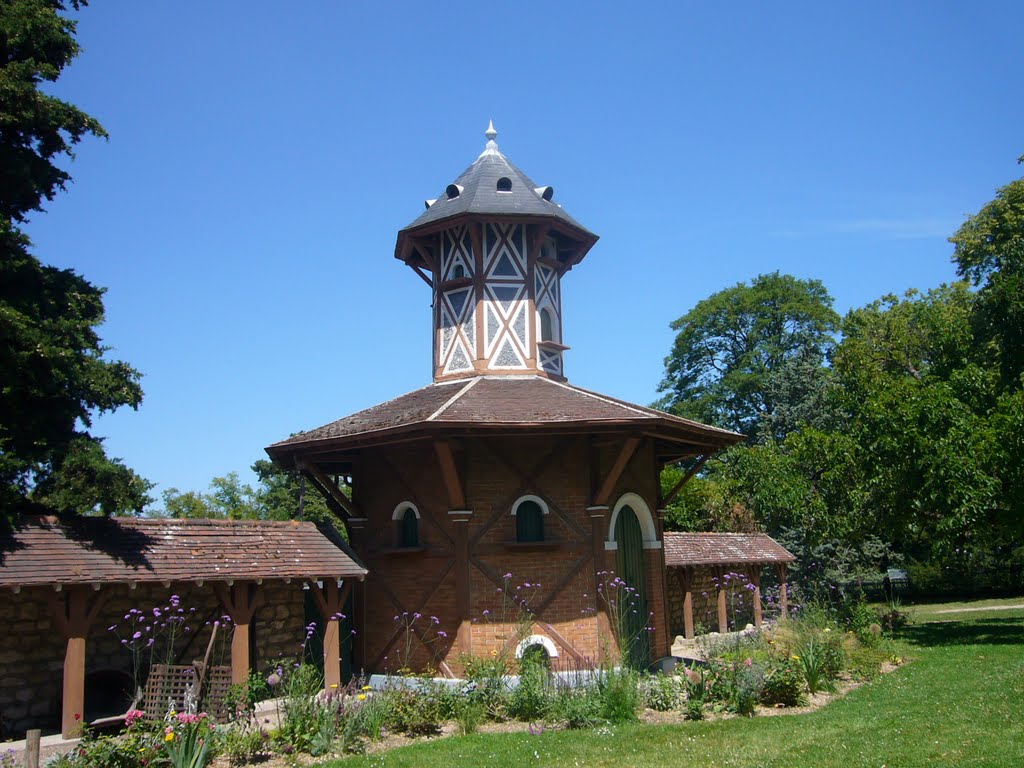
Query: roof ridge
{"points": [[451, 400]]}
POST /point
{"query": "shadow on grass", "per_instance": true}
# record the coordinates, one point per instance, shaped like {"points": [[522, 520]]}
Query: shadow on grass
{"points": [[1008, 631]]}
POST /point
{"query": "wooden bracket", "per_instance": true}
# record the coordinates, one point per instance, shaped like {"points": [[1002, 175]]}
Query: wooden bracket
{"points": [[685, 479], [339, 503], [330, 600], [75, 609], [625, 454], [241, 600], [423, 276], [450, 473]]}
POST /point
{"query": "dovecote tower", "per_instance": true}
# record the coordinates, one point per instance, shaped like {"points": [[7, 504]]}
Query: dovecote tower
{"points": [[493, 248]]}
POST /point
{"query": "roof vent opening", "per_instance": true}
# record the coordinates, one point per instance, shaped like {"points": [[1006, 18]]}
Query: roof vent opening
{"points": [[545, 192], [453, 191], [504, 184], [428, 203]]}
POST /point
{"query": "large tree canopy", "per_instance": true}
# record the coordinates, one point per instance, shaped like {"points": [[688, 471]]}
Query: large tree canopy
{"points": [[749, 356], [989, 251], [54, 376]]}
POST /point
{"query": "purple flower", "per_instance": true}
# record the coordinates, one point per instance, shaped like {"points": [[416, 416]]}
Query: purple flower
{"points": [[507, 576], [136, 636], [440, 633], [112, 627]]}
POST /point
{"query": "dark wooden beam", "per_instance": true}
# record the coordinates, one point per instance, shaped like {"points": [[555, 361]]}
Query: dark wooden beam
{"points": [[450, 474], [423, 276], [625, 454], [342, 506], [685, 479]]}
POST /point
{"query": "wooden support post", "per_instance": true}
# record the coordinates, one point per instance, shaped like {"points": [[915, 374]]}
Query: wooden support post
{"points": [[32, 748], [755, 579], [74, 610], [330, 600], [608, 485], [597, 534], [240, 602], [464, 633], [688, 578], [723, 612], [782, 570]]}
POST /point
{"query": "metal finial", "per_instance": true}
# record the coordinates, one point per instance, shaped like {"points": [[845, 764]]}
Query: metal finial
{"points": [[490, 133]]}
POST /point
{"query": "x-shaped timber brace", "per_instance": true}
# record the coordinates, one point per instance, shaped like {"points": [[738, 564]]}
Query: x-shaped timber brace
{"points": [[74, 609]]}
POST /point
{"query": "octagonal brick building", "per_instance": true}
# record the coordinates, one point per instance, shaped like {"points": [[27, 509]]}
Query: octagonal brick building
{"points": [[499, 466]]}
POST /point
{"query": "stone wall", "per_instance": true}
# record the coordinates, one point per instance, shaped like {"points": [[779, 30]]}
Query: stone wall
{"points": [[32, 647], [740, 608]]}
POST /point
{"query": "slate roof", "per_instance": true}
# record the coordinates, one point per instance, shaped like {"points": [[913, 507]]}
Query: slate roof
{"points": [[500, 402], [97, 550], [723, 549], [480, 196]]}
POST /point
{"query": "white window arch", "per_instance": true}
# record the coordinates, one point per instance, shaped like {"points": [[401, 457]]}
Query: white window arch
{"points": [[648, 529], [535, 499], [399, 512], [542, 641]]}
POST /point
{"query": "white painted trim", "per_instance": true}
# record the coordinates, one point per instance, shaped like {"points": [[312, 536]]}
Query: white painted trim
{"points": [[643, 515], [399, 512], [540, 640], [536, 499], [652, 545], [611, 546], [460, 512]]}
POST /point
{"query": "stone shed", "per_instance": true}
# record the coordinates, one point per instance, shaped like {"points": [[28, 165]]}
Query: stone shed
{"points": [[712, 577], [67, 588]]}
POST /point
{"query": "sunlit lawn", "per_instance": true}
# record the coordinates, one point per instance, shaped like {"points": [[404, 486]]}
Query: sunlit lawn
{"points": [[960, 702]]}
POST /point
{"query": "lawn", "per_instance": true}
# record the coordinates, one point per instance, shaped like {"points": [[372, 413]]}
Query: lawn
{"points": [[959, 702]]}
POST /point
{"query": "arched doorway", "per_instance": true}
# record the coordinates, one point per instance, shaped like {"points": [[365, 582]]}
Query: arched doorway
{"points": [[629, 566]]}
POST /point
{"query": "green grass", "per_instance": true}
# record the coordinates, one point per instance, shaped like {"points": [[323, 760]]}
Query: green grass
{"points": [[960, 702], [952, 610]]}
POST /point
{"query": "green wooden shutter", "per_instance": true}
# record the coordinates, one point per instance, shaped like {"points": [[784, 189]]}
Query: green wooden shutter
{"points": [[629, 564], [529, 522]]}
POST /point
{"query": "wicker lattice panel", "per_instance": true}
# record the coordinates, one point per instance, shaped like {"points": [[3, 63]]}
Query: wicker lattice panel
{"points": [[168, 684]]}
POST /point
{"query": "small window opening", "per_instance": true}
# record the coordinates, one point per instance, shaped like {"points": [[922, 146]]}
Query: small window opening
{"points": [[535, 655], [458, 271], [545, 326], [453, 191], [504, 184], [529, 522], [409, 530]]}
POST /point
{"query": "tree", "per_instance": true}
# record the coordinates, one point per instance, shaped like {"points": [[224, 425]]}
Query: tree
{"points": [[989, 251], [54, 377], [733, 348]]}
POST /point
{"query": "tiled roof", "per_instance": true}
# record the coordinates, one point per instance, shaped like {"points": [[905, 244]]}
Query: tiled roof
{"points": [[500, 401], [97, 550], [723, 549], [480, 195]]}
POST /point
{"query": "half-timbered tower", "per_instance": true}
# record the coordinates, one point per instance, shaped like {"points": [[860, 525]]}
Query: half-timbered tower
{"points": [[500, 466]]}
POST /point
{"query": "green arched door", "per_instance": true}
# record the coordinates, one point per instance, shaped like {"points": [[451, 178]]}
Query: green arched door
{"points": [[629, 565]]}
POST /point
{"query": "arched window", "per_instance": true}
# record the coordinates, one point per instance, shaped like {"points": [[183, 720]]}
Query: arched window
{"points": [[545, 326], [458, 272], [407, 522], [529, 512], [504, 184]]}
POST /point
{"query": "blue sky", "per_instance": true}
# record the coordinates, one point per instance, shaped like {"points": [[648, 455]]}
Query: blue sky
{"points": [[262, 157]]}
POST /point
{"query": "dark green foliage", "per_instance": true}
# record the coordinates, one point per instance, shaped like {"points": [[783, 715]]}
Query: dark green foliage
{"points": [[531, 698], [738, 351], [54, 377]]}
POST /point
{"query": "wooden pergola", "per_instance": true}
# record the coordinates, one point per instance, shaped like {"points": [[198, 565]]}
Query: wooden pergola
{"points": [[717, 554], [75, 563]]}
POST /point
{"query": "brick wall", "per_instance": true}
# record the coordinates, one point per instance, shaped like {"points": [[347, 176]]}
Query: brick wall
{"points": [[495, 472]]}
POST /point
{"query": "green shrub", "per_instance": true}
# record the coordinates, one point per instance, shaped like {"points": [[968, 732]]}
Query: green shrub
{"points": [[530, 699], [413, 712], [579, 707], [620, 695], [469, 713], [242, 743], [783, 685], [662, 693]]}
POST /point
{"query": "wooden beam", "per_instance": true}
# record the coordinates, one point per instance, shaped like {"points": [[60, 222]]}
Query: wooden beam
{"points": [[424, 251], [240, 600], [450, 474], [625, 454], [423, 277], [327, 484], [685, 479], [73, 611]]}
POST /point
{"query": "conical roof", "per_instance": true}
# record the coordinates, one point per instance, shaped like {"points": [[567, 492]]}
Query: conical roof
{"points": [[476, 191]]}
